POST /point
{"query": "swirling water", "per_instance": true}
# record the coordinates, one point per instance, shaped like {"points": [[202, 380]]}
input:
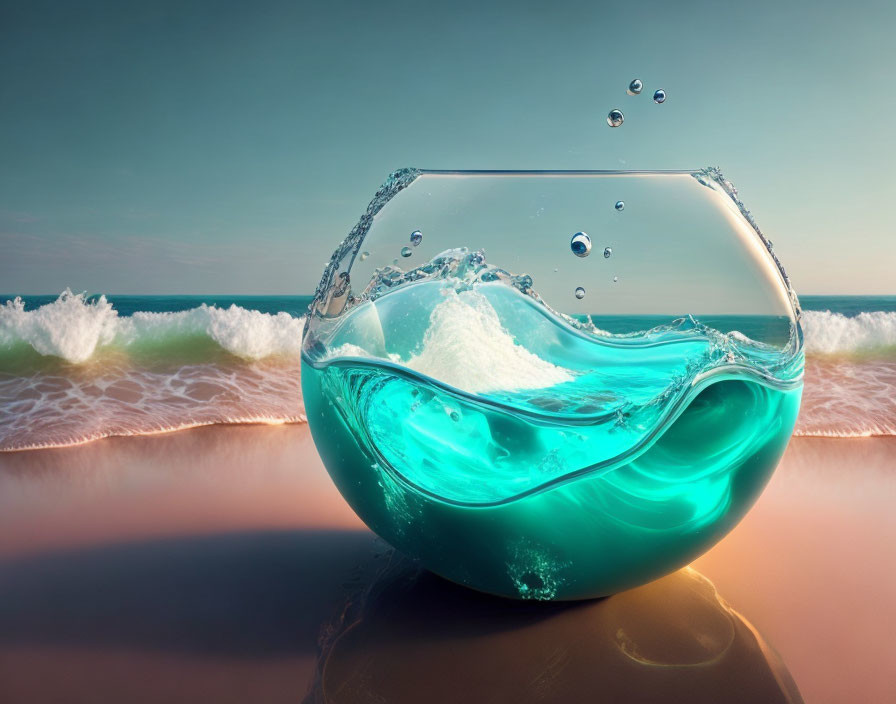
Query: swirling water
{"points": [[499, 397]]}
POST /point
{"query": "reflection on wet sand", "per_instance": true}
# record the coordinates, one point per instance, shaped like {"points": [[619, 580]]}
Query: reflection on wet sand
{"points": [[205, 565], [410, 636]]}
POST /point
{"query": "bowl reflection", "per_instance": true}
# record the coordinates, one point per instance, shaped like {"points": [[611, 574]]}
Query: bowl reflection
{"points": [[411, 636]]}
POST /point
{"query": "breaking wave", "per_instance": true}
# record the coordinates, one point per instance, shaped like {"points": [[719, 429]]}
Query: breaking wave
{"points": [[76, 330], [75, 370], [870, 334]]}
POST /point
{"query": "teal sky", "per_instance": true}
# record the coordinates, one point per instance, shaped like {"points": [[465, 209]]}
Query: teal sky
{"points": [[227, 147]]}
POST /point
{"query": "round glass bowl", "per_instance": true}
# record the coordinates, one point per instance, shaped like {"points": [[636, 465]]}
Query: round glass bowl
{"points": [[553, 385]]}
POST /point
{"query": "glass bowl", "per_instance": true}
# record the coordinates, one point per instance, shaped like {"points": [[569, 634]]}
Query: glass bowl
{"points": [[553, 385]]}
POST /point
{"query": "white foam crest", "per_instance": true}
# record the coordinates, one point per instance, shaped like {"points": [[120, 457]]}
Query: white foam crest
{"points": [[828, 333], [467, 347], [249, 334], [69, 327], [75, 329]]}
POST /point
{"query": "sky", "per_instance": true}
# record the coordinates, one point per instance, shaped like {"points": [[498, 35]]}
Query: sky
{"points": [[227, 147]]}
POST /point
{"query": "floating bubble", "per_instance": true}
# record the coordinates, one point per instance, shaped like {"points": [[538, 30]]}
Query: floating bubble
{"points": [[635, 87], [405, 251], [580, 244], [364, 255], [615, 279], [580, 293], [615, 117], [659, 96], [620, 205], [416, 237], [607, 252]]}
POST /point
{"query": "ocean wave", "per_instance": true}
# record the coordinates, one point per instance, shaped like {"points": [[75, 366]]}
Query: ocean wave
{"points": [[78, 330], [867, 334], [85, 372], [465, 327]]}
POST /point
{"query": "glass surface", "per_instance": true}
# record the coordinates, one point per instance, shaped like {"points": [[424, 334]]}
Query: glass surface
{"points": [[553, 385]]}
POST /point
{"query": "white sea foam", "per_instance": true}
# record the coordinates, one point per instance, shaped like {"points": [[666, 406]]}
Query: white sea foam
{"points": [[829, 333], [845, 399], [70, 404], [75, 329], [69, 327], [248, 334], [467, 347], [52, 410]]}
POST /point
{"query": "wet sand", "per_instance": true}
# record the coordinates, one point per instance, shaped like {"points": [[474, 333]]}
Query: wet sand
{"points": [[218, 564]]}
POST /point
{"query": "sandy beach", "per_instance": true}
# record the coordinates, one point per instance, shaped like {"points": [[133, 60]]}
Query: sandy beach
{"points": [[221, 564]]}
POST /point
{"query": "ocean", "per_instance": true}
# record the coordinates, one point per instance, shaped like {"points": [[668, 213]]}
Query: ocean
{"points": [[75, 368]]}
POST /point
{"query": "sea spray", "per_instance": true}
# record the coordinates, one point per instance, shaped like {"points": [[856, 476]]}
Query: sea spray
{"points": [[75, 329]]}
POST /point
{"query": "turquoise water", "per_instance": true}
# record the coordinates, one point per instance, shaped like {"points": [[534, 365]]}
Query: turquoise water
{"points": [[576, 464]]}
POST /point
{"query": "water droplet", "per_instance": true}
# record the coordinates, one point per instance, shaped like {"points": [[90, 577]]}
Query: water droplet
{"points": [[580, 244], [580, 293], [615, 279], [416, 237], [607, 252], [405, 251], [455, 416], [556, 269], [615, 117], [364, 255], [620, 205], [635, 87], [659, 96]]}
